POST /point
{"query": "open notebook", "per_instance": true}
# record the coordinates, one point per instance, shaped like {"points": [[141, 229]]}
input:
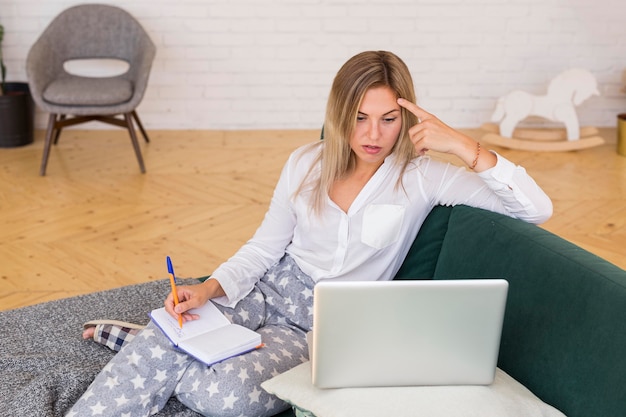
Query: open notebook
{"points": [[406, 333], [211, 338]]}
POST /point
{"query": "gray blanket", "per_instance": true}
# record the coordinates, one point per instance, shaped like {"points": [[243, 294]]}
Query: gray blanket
{"points": [[44, 363]]}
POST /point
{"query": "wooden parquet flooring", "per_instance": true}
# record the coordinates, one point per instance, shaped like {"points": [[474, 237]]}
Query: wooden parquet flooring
{"points": [[94, 222]]}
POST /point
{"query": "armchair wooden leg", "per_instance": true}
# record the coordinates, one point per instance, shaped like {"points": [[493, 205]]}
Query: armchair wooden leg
{"points": [[133, 137], [46, 148], [58, 130], [143, 131]]}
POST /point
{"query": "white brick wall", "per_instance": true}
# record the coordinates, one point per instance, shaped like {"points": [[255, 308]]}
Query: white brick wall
{"points": [[248, 64]]}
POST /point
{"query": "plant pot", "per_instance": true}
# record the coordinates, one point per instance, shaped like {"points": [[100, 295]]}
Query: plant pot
{"points": [[17, 116]]}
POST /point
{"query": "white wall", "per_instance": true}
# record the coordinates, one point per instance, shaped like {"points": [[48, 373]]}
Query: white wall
{"points": [[249, 64]]}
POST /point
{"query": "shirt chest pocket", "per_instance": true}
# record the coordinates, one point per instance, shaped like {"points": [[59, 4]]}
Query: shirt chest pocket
{"points": [[382, 224]]}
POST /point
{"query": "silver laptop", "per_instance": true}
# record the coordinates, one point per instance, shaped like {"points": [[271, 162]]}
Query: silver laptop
{"points": [[407, 333]]}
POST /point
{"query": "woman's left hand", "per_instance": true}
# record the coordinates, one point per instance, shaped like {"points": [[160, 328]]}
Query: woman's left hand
{"points": [[433, 134], [430, 133]]}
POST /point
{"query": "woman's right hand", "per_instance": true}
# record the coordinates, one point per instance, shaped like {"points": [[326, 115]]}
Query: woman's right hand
{"points": [[192, 296]]}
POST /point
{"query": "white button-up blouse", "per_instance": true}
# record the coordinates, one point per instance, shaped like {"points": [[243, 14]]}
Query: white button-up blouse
{"points": [[371, 240]]}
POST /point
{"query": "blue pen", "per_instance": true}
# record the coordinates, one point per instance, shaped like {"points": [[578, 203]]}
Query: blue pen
{"points": [[170, 269]]}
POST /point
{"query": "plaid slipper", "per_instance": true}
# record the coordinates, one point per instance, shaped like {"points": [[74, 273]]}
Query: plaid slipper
{"points": [[113, 333]]}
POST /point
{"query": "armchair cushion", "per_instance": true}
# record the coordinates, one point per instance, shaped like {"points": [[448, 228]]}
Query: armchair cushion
{"points": [[83, 91]]}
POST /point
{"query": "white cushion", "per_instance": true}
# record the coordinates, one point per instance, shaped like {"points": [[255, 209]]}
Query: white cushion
{"points": [[505, 397], [96, 67]]}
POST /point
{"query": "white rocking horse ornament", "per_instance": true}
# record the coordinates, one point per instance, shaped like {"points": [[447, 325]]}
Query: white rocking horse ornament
{"points": [[569, 89]]}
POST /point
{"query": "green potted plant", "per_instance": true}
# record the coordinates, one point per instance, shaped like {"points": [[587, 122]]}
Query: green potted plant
{"points": [[16, 109]]}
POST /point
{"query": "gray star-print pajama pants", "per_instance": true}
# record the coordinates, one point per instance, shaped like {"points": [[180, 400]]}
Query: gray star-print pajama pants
{"points": [[141, 377]]}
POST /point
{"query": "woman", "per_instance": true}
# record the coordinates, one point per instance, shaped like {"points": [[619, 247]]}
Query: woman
{"points": [[346, 208]]}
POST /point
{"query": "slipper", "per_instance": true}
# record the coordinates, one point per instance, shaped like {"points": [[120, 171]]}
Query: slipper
{"points": [[113, 333]]}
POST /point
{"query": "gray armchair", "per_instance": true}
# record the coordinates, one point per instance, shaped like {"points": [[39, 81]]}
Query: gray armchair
{"points": [[85, 32]]}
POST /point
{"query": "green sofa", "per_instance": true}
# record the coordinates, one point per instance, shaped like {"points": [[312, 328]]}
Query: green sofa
{"points": [[564, 334]]}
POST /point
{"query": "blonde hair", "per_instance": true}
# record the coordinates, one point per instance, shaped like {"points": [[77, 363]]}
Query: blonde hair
{"points": [[363, 71]]}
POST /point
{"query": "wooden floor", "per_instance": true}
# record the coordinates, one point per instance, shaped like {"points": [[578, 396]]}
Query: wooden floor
{"points": [[94, 222]]}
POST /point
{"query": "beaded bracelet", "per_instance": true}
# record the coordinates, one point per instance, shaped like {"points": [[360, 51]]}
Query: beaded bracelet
{"points": [[477, 155]]}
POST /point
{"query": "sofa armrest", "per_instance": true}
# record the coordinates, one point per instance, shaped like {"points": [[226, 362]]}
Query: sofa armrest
{"points": [[564, 334]]}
